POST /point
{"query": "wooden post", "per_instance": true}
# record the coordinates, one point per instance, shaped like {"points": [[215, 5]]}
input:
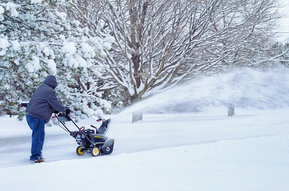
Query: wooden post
{"points": [[231, 110], [136, 116]]}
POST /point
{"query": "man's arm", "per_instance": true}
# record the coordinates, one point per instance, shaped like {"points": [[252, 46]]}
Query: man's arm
{"points": [[55, 103]]}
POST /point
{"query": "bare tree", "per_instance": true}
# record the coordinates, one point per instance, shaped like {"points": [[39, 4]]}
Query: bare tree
{"points": [[87, 13], [159, 43], [153, 39], [244, 30]]}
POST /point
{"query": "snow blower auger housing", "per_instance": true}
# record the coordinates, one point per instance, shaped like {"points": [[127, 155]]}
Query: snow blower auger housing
{"points": [[92, 141]]}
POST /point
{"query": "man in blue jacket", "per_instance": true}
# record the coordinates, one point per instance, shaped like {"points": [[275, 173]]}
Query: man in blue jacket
{"points": [[38, 112]]}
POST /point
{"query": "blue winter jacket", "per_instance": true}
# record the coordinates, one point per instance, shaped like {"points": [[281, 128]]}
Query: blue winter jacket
{"points": [[44, 102]]}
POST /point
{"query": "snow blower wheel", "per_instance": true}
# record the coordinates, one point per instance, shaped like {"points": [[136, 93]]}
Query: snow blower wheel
{"points": [[79, 151], [106, 150], [95, 151], [107, 147]]}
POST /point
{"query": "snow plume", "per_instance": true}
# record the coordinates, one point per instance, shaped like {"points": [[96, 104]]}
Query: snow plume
{"points": [[245, 88]]}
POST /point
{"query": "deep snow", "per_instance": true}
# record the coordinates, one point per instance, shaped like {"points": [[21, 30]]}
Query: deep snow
{"points": [[169, 150]]}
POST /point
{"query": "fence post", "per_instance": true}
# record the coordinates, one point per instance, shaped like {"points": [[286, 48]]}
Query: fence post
{"points": [[231, 110], [136, 116]]}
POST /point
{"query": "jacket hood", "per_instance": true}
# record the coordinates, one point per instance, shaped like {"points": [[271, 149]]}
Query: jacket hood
{"points": [[51, 81]]}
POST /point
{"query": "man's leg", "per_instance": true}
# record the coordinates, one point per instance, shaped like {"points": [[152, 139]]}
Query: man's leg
{"points": [[37, 125]]}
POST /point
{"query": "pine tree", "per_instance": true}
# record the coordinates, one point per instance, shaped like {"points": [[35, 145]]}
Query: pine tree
{"points": [[37, 39]]}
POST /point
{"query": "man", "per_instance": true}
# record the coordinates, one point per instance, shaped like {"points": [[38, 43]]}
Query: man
{"points": [[38, 112]]}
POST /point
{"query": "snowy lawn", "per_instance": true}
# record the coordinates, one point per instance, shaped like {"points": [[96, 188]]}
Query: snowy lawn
{"points": [[192, 151]]}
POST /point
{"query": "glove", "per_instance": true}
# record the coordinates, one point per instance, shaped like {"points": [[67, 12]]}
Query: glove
{"points": [[67, 111]]}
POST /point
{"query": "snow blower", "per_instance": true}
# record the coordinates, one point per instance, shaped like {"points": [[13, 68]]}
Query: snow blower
{"points": [[92, 141]]}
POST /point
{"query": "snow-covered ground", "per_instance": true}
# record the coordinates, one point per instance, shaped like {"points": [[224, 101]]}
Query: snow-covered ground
{"points": [[191, 151]]}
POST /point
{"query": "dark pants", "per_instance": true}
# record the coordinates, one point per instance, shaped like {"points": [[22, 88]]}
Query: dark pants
{"points": [[37, 125]]}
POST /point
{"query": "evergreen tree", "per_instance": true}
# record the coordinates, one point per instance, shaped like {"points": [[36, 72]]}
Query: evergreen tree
{"points": [[38, 39]]}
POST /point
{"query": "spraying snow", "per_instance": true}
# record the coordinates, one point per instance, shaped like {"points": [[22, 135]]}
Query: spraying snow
{"points": [[244, 88]]}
